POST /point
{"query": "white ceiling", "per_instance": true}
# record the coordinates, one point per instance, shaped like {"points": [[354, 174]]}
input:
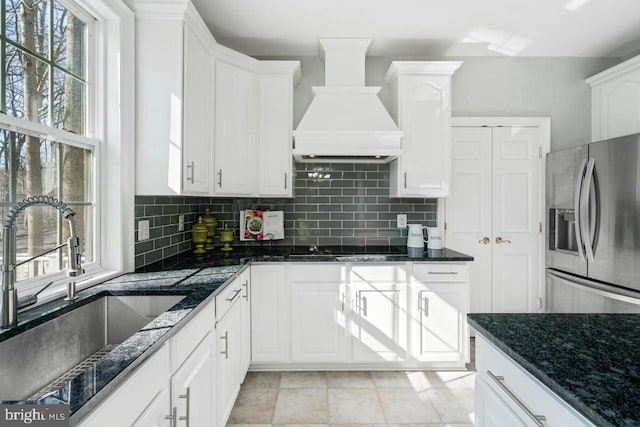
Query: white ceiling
{"points": [[594, 28]]}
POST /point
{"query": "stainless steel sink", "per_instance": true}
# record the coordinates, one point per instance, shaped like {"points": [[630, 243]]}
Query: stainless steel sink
{"points": [[35, 358]]}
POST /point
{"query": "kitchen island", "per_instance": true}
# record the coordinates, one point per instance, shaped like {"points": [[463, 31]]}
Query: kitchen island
{"points": [[587, 363]]}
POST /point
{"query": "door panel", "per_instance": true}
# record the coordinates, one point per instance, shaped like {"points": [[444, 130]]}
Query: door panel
{"points": [[469, 208], [496, 193], [318, 322], [516, 207]]}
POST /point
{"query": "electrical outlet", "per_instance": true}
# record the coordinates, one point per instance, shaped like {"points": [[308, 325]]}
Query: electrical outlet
{"points": [[143, 230], [180, 222], [401, 221]]}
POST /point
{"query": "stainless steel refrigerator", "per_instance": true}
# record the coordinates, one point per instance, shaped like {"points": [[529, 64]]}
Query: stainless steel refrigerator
{"points": [[593, 232]]}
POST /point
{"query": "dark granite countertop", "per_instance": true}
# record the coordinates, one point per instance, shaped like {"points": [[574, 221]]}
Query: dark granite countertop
{"points": [[198, 286], [265, 253], [592, 361], [198, 278]]}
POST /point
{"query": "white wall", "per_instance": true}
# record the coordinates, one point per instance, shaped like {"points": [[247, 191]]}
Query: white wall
{"points": [[498, 86]]}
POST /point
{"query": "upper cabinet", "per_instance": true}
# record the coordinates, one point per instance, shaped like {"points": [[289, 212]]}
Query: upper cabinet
{"points": [[235, 154], [615, 101], [421, 106], [174, 102], [209, 120]]}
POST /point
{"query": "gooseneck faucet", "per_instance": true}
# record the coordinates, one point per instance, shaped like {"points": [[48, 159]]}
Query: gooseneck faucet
{"points": [[9, 302]]}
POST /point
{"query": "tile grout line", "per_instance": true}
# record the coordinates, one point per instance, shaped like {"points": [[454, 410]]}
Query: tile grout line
{"points": [[375, 386]]}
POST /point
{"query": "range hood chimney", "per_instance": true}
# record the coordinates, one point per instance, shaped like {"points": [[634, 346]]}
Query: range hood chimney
{"points": [[346, 121]]}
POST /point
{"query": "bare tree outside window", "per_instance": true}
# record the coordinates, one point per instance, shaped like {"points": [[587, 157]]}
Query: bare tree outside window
{"points": [[44, 81]]}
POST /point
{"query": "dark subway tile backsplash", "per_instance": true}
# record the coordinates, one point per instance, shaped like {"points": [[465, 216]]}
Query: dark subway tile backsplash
{"points": [[334, 204]]}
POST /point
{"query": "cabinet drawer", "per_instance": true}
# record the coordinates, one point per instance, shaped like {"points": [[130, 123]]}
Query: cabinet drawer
{"points": [[387, 273], [445, 272], [229, 295], [513, 384], [316, 272], [188, 338]]}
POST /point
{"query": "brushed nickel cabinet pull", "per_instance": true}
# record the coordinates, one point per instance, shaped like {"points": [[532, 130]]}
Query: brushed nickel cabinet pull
{"points": [[226, 345], [173, 417], [191, 166], [246, 290], [220, 178], [285, 180], [405, 180], [499, 380], [186, 396]]}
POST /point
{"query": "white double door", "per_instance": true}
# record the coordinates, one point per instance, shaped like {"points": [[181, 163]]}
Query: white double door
{"points": [[494, 213]]}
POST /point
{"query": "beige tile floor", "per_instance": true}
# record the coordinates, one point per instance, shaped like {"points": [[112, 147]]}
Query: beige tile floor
{"points": [[356, 399]]}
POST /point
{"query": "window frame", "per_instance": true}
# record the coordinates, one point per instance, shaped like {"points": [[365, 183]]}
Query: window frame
{"points": [[109, 129]]}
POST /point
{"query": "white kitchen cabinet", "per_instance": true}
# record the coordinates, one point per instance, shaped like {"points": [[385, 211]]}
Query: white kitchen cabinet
{"points": [[421, 106], [379, 322], [228, 370], [615, 101], [192, 387], [270, 327], [235, 154], [318, 320], [438, 307], [275, 124], [174, 130], [245, 322], [491, 410], [507, 395], [143, 396]]}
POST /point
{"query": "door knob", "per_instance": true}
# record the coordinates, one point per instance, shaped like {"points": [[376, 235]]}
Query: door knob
{"points": [[485, 240], [500, 240]]}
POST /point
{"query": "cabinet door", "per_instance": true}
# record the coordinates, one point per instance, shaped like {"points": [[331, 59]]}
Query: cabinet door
{"points": [[379, 321], [269, 319], [245, 323], [491, 410], [438, 323], [197, 114], [275, 112], [156, 413], [228, 362], [192, 387], [616, 106], [318, 321], [235, 153], [425, 118]]}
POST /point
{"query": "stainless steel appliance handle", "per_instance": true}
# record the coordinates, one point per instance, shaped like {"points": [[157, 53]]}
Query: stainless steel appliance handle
{"points": [[608, 291], [584, 209], [577, 221], [499, 380]]}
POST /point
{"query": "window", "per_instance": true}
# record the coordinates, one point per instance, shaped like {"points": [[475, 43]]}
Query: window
{"points": [[44, 128]]}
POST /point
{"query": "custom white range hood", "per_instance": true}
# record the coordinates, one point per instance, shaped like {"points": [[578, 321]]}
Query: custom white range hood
{"points": [[346, 121]]}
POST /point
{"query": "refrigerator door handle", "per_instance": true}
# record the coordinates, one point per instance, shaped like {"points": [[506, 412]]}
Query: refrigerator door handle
{"points": [[577, 205], [584, 209]]}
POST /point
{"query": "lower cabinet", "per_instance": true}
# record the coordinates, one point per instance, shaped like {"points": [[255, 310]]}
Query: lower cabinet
{"points": [[367, 315], [507, 395], [379, 316], [438, 306], [318, 321], [192, 387], [270, 327], [195, 377], [228, 362]]}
